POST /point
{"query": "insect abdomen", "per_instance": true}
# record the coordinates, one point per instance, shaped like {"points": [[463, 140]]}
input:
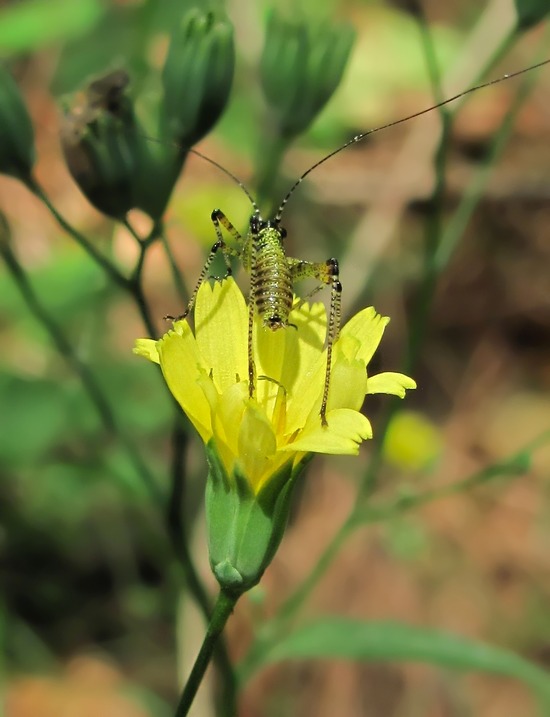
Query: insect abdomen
{"points": [[271, 279]]}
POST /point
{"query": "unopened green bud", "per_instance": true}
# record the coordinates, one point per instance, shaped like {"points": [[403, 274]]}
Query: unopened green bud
{"points": [[101, 144], [16, 133], [197, 75], [244, 528], [531, 12], [302, 65]]}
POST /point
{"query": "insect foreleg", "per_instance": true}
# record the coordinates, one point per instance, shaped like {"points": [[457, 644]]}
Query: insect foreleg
{"points": [[327, 273], [218, 218]]}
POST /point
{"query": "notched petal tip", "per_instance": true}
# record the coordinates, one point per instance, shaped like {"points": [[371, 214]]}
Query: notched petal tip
{"points": [[148, 349], [346, 429], [389, 382], [367, 326]]}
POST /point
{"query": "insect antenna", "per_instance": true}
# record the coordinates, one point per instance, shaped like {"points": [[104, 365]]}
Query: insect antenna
{"points": [[230, 175], [215, 164], [361, 136]]}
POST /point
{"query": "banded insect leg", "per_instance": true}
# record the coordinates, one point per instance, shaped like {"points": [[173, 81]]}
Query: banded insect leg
{"points": [[218, 218], [328, 274]]}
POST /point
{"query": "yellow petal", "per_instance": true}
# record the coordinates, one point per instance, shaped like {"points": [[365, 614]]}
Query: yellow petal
{"points": [[221, 331], [311, 329], [148, 349], [368, 327], [270, 352], [306, 396], [257, 445], [345, 432], [389, 382], [348, 385], [229, 415], [182, 368]]}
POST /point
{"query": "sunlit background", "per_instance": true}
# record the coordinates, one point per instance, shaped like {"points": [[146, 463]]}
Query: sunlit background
{"points": [[94, 618]]}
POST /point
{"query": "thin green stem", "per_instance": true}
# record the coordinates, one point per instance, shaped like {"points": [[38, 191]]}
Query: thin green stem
{"points": [[432, 235], [513, 467], [222, 610], [112, 272], [501, 50], [436, 200], [440, 244], [293, 603], [87, 378], [132, 284], [430, 56], [135, 282], [269, 167], [456, 227], [176, 273], [174, 514], [180, 544]]}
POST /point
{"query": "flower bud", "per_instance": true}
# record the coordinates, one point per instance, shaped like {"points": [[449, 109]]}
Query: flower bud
{"points": [[244, 528], [16, 133], [301, 67], [530, 12], [101, 144], [197, 75]]}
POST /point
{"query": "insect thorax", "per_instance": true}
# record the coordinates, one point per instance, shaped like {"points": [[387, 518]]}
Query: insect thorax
{"points": [[270, 273]]}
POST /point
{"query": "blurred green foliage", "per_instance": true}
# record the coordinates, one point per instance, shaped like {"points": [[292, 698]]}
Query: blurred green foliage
{"points": [[33, 24]]}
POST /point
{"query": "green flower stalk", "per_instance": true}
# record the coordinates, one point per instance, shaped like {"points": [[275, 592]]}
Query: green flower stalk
{"points": [[258, 446], [17, 153], [302, 65], [101, 144]]}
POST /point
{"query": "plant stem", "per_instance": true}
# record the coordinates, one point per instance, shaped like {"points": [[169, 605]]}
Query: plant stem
{"points": [[222, 610], [226, 695], [66, 350], [176, 273], [111, 270], [472, 195], [268, 170]]}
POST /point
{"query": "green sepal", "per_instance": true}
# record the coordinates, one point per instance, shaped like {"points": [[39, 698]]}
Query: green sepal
{"points": [[244, 529], [17, 154]]}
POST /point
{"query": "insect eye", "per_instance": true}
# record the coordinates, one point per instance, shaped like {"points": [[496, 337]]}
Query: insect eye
{"points": [[254, 223]]}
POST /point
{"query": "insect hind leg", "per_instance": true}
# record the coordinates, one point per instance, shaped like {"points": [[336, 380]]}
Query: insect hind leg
{"points": [[327, 273], [218, 220]]}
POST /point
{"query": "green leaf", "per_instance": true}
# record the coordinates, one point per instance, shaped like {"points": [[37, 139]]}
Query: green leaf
{"points": [[34, 23], [531, 12], [343, 638]]}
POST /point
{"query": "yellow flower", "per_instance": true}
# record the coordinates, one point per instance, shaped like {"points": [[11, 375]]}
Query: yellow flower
{"points": [[207, 372]]}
